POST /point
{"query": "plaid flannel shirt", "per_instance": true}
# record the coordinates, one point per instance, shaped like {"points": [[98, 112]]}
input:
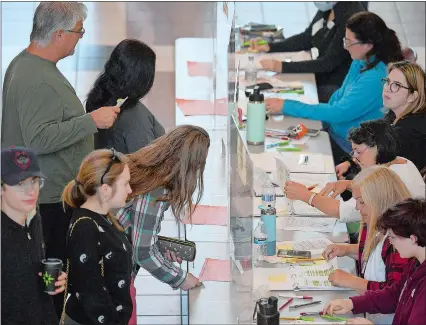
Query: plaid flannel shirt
{"points": [[394, 263], [141, 218]]}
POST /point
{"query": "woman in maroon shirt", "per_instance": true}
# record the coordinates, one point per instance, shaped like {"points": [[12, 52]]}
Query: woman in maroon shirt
{"points": [[405, 225]]}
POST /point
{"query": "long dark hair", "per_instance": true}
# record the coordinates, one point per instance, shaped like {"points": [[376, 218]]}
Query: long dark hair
{"points": [[129, 72], [371, 29], [175, 161]]}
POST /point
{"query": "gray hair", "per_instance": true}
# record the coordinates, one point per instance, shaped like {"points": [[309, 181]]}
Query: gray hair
{"points": [[52, 16]]}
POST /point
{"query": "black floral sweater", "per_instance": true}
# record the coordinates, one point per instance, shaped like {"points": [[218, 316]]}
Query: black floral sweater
{"points": [[97, 299]]}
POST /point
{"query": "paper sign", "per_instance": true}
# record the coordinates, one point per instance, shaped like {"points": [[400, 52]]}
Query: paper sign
{"points": [[216, 270], [191, 107], [208, 215], [199, 69]]}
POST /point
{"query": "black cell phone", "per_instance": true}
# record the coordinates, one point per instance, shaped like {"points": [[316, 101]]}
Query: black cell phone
{"points": [[293, 253], [262, 86]]}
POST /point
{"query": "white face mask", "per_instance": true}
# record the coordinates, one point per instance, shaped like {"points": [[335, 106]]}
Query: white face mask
{"points": [[324, 5]]}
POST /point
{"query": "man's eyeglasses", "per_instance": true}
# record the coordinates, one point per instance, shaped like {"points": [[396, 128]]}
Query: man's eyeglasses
{"points": [[81, 31], [394, 86], [114, 158], [347, 45], [34, 184]]}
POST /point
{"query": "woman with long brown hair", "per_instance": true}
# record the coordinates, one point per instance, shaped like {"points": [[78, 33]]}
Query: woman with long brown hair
{"points": [[164, 174], [99, 255]]}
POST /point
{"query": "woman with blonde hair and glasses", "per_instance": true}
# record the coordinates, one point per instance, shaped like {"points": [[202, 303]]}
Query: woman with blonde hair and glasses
{"points": [[99, 255], [164, 174], [405, 96], [375, 190]]}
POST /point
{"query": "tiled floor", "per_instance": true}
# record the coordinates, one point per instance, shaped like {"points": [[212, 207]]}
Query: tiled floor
{"points": [[158, 25]]}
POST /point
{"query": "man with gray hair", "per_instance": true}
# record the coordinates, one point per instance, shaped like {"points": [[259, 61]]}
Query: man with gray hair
{"points": [[42, 112]]}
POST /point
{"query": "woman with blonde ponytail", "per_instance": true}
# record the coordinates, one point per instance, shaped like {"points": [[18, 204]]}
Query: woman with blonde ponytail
{"points": [[375, 189], [99, 260]]}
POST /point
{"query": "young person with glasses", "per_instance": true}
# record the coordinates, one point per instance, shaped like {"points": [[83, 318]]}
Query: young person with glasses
{"points": [[23, 300], [405, 228], [99, 258], [404, 96], [372, 45], [375, 190], [373, 143], [164, 174]]}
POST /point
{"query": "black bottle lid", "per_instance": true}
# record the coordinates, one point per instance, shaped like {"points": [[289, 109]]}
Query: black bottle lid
{"points": [[273, 301], [256, 96]]}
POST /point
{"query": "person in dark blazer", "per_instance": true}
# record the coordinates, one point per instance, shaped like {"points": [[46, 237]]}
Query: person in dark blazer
{"points": [[323, 37], [130, 73]]}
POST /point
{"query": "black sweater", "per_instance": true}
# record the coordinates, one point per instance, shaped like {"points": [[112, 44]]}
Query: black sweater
{"points": [[411, 130], [97, 299], [333, 62], [23, 300], [135, 128]]}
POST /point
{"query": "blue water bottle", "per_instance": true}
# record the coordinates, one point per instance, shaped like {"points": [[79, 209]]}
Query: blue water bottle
{"points": [[269, 217]]}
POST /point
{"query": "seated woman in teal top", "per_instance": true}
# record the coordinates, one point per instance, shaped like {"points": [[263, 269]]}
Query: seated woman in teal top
{"points": [[372, 45]]}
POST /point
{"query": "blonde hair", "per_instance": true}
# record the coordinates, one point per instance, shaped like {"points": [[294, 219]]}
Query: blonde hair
{"points": [[89, 177], [381, 188], [415, 77]]}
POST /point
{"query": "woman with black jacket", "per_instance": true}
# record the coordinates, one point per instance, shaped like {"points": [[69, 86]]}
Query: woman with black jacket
{"points": [[405, 96], [330, 61]]}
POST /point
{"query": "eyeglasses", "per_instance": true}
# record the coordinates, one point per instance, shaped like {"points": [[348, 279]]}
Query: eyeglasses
{"points": [[113, 159], [34, 184], [346, 45], [357, 153], [81, 31], [394, 86]]}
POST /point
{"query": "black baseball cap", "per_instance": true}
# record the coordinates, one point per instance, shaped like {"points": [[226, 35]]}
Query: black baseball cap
{"points": [[17, 164]]}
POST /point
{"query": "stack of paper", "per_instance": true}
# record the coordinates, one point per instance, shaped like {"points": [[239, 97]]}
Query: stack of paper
{"points": [[296, 277], [306, 224]]}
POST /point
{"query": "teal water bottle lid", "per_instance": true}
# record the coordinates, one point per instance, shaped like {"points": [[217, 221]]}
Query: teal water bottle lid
{"points": [[256, 96]]}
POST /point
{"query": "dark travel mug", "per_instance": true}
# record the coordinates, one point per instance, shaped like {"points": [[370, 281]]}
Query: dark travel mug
{"points": [[52, 270]]}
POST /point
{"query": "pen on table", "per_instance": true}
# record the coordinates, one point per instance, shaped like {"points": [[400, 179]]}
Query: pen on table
{"points": [[328, 317], [310, 188], [313, 313], [289, 149], [286, 304], [279, 144], [296, 297], [307, 304], [281, 137], [307, 319]]}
